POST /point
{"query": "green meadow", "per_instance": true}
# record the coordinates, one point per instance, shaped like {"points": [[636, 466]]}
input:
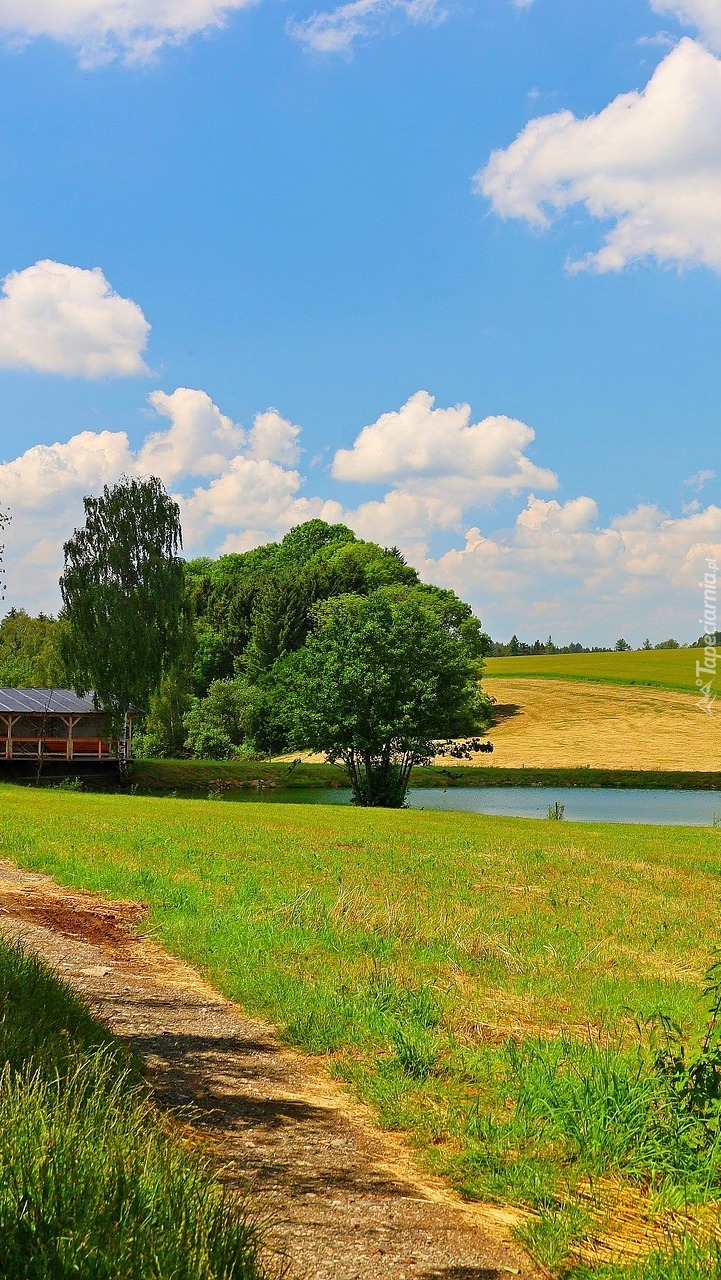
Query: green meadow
{"points": [[664, 668], [484, 983]]}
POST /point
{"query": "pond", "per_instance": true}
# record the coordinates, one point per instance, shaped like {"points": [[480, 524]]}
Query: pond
{"points": [[594, 804]]}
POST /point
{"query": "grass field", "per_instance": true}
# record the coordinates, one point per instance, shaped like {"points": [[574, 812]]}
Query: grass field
{"points": [[554, 723], [476, 980], [665, 668], [93, 1186]]}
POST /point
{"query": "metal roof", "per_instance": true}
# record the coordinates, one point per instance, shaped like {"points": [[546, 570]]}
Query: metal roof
{"points": [[45, 701]]}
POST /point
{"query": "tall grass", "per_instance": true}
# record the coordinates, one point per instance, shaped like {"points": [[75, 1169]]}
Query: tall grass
{"points": [[93, 1185]]}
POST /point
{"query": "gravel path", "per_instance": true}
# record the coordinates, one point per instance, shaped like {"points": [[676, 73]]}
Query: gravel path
{"points": [[343, 1200]]}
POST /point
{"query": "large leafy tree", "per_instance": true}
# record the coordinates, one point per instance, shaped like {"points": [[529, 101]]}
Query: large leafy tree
{"points": [[123, 594], [378, 682]]}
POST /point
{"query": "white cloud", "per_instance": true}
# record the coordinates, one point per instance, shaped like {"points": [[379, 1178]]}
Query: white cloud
{"points": [[440, 465], [558, 567], [199, 441], [100, 30], [700, 480], [336, 30], [649, 163], [60, 319], [419, 442], [275, 438], [252, 494], [705, 15]]}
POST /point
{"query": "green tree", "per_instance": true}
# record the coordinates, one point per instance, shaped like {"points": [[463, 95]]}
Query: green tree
{"points": [[622, 646], [379, 681], [163, 733], [123, 594], [219, 724], [30, 655]]}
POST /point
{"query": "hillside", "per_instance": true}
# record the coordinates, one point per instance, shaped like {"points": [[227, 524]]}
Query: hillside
{"points": [[664, 668], [562, 723]]}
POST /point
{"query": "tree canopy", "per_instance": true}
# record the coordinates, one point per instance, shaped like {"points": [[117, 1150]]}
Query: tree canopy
{"points": [[379, 681], [123, 593], [30, 652]]}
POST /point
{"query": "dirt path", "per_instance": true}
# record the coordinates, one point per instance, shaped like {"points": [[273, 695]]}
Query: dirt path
{"points": [[345, 1199]]}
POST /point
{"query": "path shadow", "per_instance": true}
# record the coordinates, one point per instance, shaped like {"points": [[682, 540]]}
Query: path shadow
{"points": [[464, 1273]]}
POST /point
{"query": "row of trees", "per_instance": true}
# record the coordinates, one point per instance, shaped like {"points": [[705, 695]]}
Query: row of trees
{"points": [[320, 642], [518, 648]]}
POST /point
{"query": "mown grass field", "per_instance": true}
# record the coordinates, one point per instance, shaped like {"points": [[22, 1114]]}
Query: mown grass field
{"points": [[557, 724], [477, 980], [665, 668], [93, 1184]]}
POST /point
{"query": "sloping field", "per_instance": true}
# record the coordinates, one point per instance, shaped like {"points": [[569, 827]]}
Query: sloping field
{"points": [[556, 723], [477, 980], [666, 668]]}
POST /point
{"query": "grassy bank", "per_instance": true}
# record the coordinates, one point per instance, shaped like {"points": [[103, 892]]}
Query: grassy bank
{"points": [[662, 668], [92, 1184], [477, 980], [197, 777]]}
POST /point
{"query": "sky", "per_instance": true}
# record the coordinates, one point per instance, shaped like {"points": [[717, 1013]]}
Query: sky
{"points": [[445, 270]]}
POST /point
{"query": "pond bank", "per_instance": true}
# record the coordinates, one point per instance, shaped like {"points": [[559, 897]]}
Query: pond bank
{"points": [[196, 777]]}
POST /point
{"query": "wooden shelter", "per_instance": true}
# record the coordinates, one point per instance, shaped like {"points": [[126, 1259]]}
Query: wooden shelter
{"points": [[55, 724]]}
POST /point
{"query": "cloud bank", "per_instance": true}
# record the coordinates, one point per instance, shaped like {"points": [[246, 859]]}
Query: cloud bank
{"points": [[557, 567]]}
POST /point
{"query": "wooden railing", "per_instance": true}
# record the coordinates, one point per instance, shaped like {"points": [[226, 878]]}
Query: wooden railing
{"points": [[58, 749]]}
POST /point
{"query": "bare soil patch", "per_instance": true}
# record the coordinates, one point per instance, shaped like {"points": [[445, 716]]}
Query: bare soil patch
{"points": [[343, 1199]]}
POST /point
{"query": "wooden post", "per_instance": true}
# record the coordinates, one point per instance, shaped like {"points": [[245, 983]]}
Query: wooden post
{"points": [[70, 752]]}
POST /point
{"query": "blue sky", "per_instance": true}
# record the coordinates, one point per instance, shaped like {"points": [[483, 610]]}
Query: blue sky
{"points": [[299, 227]]}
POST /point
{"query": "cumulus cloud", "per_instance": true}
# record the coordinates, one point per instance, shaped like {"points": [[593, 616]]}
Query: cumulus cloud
{"points": [[425, 442], [60, 319], [649, 163], [249, 488], [440, 465], [101, 30], [558, 567], [705, 15], [199, 441]]}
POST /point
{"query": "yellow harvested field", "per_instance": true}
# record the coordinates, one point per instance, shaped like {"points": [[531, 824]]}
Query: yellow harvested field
{"points": [[570, 724]]}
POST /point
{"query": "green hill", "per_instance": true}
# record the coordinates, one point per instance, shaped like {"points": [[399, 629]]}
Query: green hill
{"points": [[664, 668]]}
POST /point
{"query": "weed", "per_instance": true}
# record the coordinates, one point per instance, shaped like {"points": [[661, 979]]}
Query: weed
{"points": [[556, 811], [416, 1052]]}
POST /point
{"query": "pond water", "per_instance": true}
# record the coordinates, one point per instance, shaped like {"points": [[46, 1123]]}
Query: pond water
{"points": [[594, 804]]}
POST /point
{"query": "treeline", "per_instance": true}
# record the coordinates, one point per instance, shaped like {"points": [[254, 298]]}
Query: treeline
{"points": [[519, 648], [245, 614]]}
